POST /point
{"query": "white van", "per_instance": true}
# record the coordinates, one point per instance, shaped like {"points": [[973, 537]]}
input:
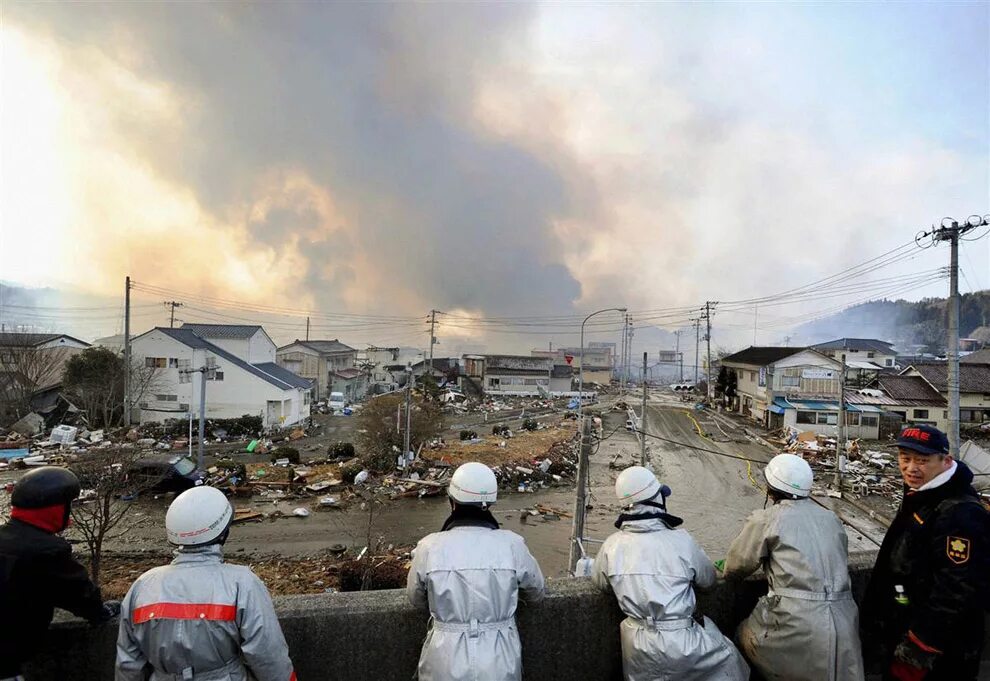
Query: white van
{"points": [[336, 401]]}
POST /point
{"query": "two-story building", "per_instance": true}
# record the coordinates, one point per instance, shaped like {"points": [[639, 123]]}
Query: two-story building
{"points": [[31, 363], [974, 388], [514, 375], [249, 342], [796, 387], [331, 365], [597, 362], [865, 358], [234, 385]]}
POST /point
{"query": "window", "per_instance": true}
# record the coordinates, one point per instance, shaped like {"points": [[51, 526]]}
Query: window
{"points": [[828, 418], [167, 398], [945, 414], [790, 381], [173, 362], [218, 375], [530, 381], [870, 355], [869, 421], [852, 418], [920, 413], [752, 375], [155, 362], [888, 362], [807, 417]]}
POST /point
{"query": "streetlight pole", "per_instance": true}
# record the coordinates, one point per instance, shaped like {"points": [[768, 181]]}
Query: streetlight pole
{"points": [[409, 379], [580, 504]]}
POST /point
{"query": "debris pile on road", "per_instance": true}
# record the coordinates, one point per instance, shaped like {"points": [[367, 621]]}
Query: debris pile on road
{"points": [[336, 569]]}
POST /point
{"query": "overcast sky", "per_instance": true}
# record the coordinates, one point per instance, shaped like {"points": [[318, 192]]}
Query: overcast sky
{"points": [[486, 159]]}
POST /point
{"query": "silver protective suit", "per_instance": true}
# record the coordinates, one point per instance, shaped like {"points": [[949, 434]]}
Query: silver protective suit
{"points": [[472, 578], [807, 626], [653, 570], [199, 618]]}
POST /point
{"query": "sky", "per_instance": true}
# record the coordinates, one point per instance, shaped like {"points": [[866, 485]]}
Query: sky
{"points": [[487, 160]]}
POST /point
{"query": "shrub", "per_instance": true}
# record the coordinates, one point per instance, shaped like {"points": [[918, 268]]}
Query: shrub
{"points": [[468, 435], [530, 424], [341, 450], [290, 453]]}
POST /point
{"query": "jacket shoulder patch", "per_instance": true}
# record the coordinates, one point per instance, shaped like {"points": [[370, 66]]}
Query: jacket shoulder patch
{"points": [[957, 549]]}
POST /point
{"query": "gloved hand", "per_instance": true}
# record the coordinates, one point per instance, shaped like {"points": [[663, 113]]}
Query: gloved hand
{"points": [[911, 663], [720, 565], [111, 609]]}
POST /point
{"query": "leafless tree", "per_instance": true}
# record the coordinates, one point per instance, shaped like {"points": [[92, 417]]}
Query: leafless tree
{"points": [[379, 434], [96, 377], [105, 477], [24, 370]]}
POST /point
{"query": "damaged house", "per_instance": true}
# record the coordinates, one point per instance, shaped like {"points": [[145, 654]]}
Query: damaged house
{"points": [[31, 369], [514, 376], [329, 364]]}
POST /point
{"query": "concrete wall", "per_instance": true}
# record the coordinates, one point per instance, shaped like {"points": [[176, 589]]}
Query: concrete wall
{"points": [[572, 634]]}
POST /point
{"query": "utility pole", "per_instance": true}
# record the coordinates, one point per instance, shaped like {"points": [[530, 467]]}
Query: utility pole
{"points": [[629, 327], [642, 420], [171, 316], [622, 354], [840, 441], [708, 340], [950, 231], [756, 315], [307, 328], [580, 499], [433, 339], [697, 328], [409, 380], [677, 349], [127, 351], [787, 341]]}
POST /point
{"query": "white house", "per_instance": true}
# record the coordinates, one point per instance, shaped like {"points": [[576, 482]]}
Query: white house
{"points": [[515, 375], [234, 386], [248, 342]]}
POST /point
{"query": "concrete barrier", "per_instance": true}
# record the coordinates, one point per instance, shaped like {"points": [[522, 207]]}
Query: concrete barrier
{"points": [[572, 634]]}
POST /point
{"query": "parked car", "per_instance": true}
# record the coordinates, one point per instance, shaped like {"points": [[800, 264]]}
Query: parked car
{"points": [[336, 402], [168, 473]]}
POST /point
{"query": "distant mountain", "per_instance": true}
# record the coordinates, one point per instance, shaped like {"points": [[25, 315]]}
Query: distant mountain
{"points": [[901, 322]]}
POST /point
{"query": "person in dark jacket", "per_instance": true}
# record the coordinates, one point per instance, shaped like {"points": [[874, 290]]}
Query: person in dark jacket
{"points": [[924, 608], [37, 571]]}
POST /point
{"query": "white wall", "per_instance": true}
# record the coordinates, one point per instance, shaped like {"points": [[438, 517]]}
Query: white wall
{"points": [[240, 392]]}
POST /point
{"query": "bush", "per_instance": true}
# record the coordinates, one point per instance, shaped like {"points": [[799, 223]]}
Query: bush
{"points": [[290, 453], [468, 435], [501, 430], [530, 424], [341, 450]]}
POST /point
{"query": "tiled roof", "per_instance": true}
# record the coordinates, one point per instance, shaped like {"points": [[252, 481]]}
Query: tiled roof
{"points": [[978, 357], [226, 331], [190, 339], [761, 356], [902, 390], [29, 340], [324, 347], [870, 344], [973, 378], [284, 375]]}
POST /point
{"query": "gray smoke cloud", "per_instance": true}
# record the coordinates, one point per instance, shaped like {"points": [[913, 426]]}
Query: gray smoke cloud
{"points": [[374, 103]]}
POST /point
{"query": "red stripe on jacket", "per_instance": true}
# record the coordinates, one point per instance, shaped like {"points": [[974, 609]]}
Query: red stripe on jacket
{"points": [[184, 611]]}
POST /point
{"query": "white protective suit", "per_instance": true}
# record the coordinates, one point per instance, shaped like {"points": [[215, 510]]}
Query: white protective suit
{"points": [[807, 626], [472, 577], [199, 618], [653, 569]]}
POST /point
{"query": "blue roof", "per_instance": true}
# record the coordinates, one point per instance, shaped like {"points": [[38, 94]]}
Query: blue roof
{"points": [[190, 339], [285, 375]]}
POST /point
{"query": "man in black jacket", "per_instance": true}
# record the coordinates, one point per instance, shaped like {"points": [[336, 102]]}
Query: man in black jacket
{"points": [[924, 608], [37, 571]]}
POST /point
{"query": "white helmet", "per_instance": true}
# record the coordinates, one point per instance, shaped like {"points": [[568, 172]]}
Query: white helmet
{"points": [[198, 516], [636, 484], [474, 484], [789, 474]]}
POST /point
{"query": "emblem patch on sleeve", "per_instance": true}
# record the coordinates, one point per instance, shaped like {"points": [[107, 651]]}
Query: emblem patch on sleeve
{"points": [[957, 549]]}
